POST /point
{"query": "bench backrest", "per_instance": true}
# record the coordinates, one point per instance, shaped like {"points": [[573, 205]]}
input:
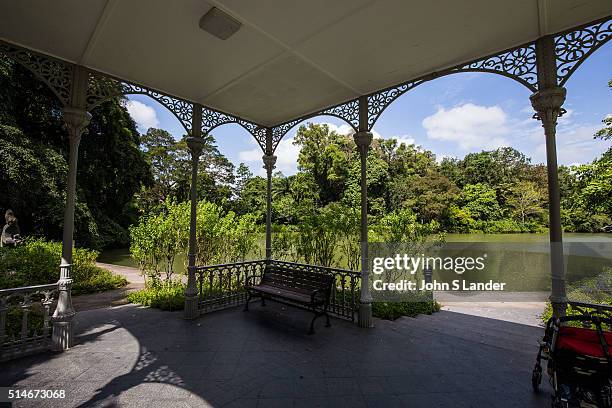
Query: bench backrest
{"points": [[299, 280]]}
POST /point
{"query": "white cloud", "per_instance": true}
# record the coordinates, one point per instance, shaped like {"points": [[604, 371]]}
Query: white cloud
{"points": [[144, 115], [574, 145], [407, 139], [286, 157], [469, 126], [343, 129], [250, 155], [287, 154]]}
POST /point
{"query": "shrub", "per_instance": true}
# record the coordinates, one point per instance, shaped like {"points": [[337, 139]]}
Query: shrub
{"points": [[37, 261], [420, 303], [395, 310], [590, 290], [159, 238], [169, 295]]}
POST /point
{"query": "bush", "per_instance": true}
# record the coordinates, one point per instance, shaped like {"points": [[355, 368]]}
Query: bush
{"points": [[421, 303], [590, 290], [159, 238], [169, 295], [37, 261], [395, 310]]}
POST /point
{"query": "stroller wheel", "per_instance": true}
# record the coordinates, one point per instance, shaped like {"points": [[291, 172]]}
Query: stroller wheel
{"points": [[536, 378]]}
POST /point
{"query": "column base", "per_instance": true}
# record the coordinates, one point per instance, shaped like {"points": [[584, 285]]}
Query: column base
{"points": [[62, 337], [559, 309], [191, 307], [365, 315]]}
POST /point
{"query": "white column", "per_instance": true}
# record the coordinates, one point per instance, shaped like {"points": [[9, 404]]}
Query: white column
{"points": [[363, 141], [547, 103], [269, 162], [76, 121], [191, 292]]}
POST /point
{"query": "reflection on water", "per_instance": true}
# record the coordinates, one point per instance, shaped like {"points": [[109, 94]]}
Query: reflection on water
{"points": [[520, 259]]}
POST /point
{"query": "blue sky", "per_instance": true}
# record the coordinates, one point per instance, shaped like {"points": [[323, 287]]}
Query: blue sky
{"points": [[451, 116]]}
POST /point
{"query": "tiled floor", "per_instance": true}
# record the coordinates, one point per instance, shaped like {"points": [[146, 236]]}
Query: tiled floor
{"points": [[131, 356]]}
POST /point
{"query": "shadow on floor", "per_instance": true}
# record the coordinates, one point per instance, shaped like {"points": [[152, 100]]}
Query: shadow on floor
{"points": [[132, 356]]}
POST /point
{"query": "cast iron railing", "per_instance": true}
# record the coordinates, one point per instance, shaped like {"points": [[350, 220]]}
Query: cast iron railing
{"points": [[221, 286], [25, 320]]}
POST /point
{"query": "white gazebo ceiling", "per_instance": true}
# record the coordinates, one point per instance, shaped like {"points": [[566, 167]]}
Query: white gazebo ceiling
{"points": [[291, 57]]}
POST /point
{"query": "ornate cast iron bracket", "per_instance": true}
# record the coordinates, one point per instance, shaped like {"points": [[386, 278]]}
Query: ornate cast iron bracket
{"points": [[56, 74], [574, 47], [347, 111], [518, 64], [102, 88], [379, 101], [212, 119]]}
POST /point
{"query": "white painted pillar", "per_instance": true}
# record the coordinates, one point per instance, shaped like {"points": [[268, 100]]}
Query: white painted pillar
{"points": [[547, 103], [269, 164], [195, 143], [76, 119], [363, 139], [76, 122]]}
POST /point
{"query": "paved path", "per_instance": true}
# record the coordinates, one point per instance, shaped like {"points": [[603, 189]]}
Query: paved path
{"points": [[112, 297], [516, 307], [128, 356]]}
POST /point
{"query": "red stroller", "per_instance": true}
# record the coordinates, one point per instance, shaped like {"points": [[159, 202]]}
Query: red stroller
{"points": [[579, 361]]}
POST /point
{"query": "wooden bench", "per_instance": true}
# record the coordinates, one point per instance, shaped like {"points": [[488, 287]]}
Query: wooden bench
{"points": [[293, 287]]}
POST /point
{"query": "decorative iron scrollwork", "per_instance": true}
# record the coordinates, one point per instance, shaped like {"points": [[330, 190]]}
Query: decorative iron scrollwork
{"points": [[212, 119], [56, 74], [258, 132], [102, 88], [573, 47], [518, 64], [347, 111], [379, 101], [278, 132]]}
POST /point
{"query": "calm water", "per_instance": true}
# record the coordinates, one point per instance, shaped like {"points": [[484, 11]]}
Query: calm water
{"points": [[521, 260]]}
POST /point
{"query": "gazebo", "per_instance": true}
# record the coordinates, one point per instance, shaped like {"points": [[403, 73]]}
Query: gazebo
{"points": [[269, 65]]}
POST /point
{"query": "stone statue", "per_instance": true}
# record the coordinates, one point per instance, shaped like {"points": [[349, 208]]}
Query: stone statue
{"points": [[10, 233]]}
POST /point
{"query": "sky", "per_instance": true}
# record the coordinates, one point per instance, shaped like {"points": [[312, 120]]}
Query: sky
{"points": [[451, 116]]}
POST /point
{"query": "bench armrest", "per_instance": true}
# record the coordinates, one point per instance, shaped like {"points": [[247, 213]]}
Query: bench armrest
{"points": [[313, 295]]}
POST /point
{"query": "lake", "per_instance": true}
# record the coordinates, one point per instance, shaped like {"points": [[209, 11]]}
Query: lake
{"points": [[521, 260]]}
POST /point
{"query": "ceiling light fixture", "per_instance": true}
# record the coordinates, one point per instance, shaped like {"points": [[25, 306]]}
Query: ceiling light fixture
{"points": [[219, 23]]}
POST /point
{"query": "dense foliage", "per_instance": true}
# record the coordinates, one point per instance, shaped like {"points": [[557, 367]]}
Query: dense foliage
{"points": [[161, 237], [168, 295], [36, 262], [33, 168], [123, 175]]}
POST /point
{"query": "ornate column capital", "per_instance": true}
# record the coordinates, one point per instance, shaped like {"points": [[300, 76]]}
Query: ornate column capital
{"points": [[195, 144], [363, 139], [269, 162], [76, 121], [548, 104]]}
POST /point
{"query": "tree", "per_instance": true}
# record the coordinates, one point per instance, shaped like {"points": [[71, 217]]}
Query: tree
{"points": [[111, 167], [526, 199], [481, 202], [606, 132], [325, 155]]}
